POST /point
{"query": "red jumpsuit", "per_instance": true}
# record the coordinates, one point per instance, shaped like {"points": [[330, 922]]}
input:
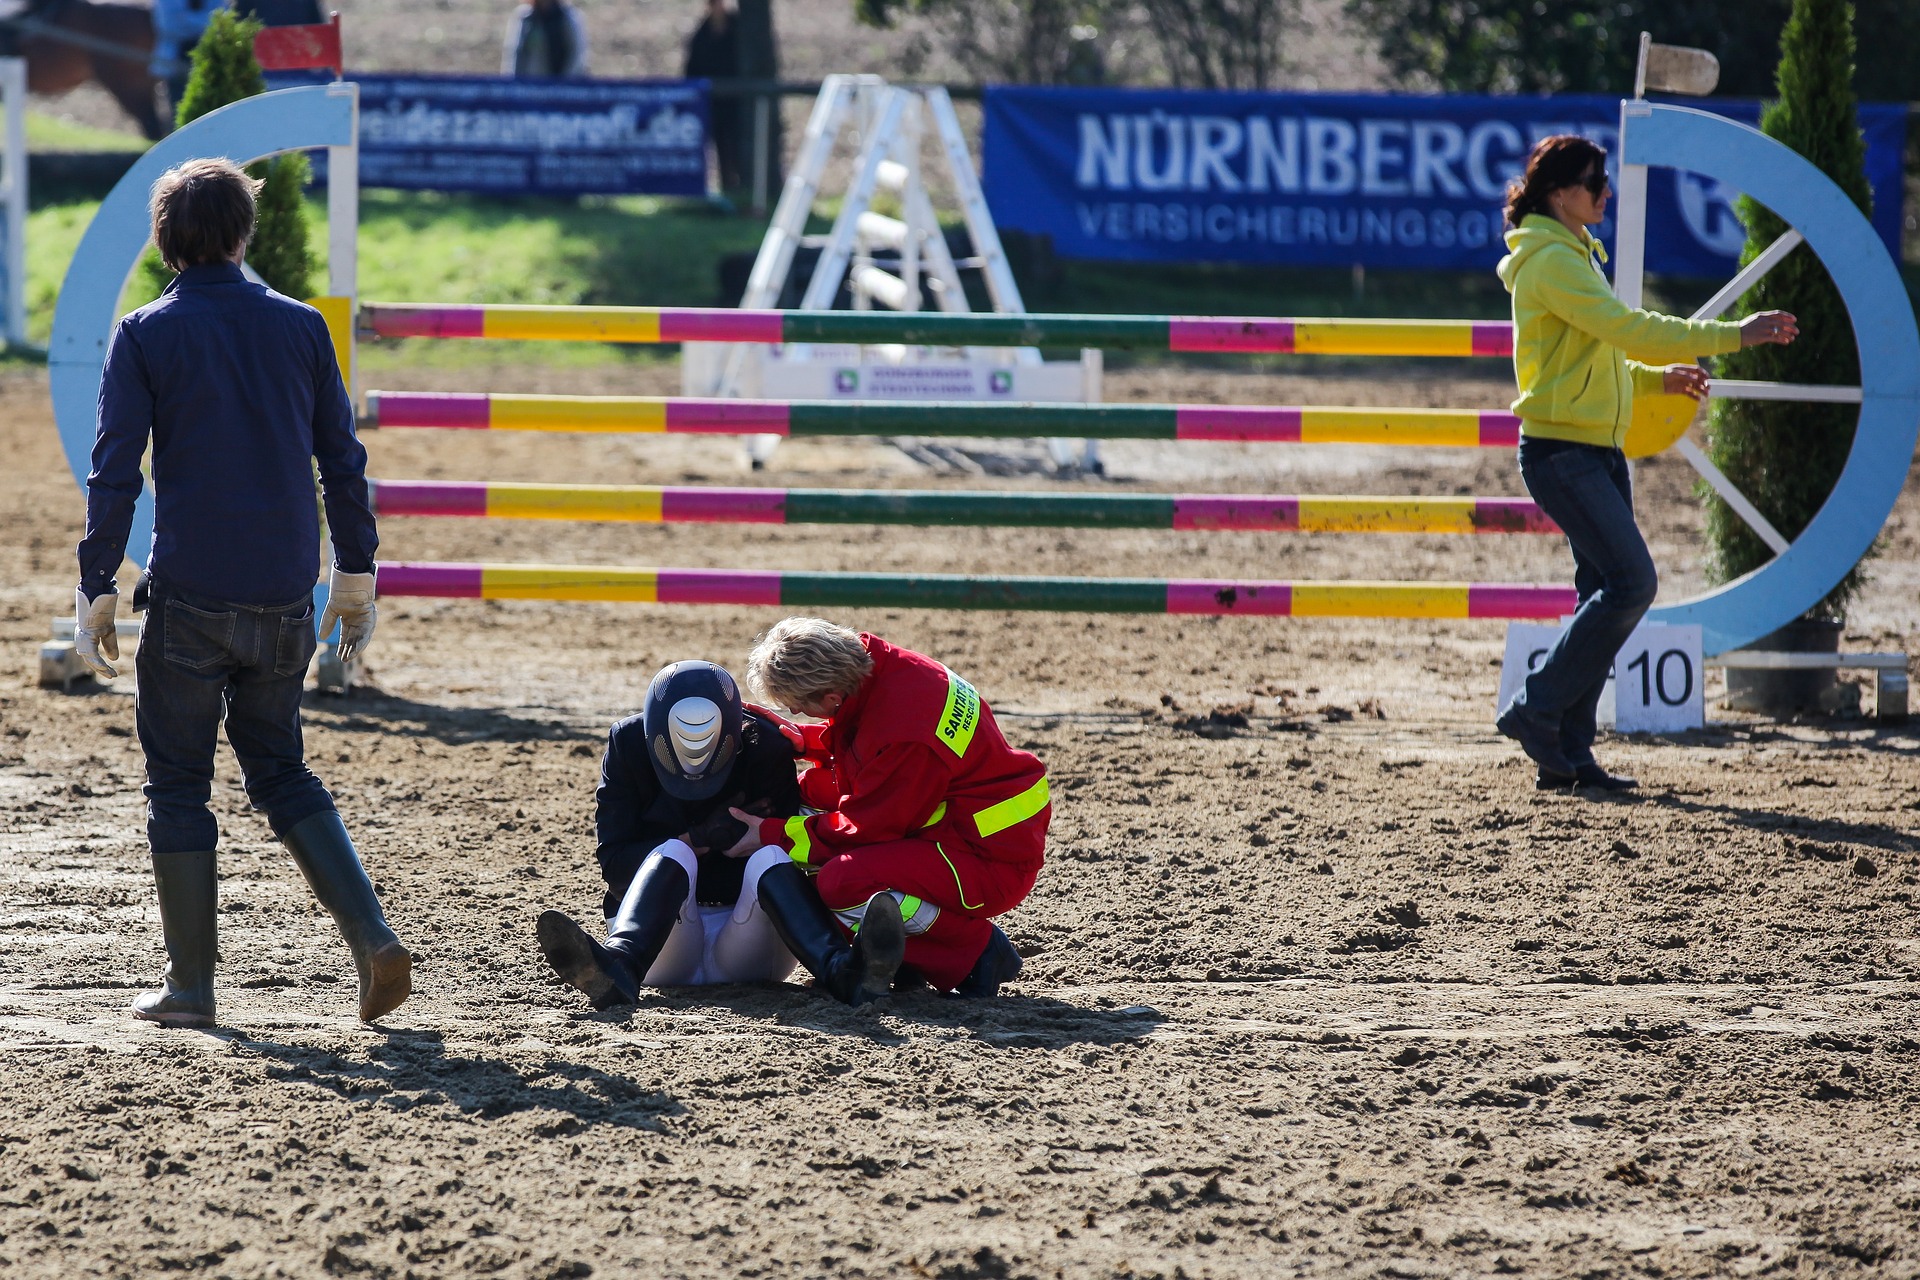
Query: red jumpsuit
{"points": [[920, 794]]}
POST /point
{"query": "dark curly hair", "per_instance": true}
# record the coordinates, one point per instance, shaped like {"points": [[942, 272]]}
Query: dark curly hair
{"points": [[1563, 160]]}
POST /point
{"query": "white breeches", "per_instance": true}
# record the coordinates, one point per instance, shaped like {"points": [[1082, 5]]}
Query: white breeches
{"points": [[712, 945]]}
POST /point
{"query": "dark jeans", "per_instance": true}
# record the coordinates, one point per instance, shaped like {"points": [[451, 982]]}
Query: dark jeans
{"points": [[204, 661], [1588, 491]]}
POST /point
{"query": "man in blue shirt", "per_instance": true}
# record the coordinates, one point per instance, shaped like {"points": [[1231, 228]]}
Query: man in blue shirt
{"points": [[240, 393]]}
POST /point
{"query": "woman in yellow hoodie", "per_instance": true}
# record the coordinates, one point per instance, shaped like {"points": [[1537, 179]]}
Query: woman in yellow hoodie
{"points": [[1579, 355]]}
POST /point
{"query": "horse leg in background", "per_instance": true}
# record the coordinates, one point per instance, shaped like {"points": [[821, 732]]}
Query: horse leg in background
{"points": [[129, 79], [135, 91], [55, 66]]}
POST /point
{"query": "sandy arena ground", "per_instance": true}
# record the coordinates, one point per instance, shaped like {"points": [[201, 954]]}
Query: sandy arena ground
{"points": [[1315, 985]]}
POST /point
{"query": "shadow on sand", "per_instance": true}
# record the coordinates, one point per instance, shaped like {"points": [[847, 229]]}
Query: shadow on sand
{"points": [[1010, 1021], [413, 1068], [367, 710]]}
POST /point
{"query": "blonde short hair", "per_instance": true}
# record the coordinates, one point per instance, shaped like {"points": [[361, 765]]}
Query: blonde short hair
{"points": [[804, 659]]}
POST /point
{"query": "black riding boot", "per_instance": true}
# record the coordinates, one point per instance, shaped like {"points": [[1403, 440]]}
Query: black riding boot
{"points": [[611, 974], [189, 911], [997, 964], [851, 974], [325, 855]]}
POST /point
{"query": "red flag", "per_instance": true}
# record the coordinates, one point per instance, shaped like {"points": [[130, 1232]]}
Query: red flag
{"points": [[300, 48]]}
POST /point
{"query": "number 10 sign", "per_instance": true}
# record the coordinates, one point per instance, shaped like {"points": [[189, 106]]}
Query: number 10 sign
{"points": [[1654, 686]]}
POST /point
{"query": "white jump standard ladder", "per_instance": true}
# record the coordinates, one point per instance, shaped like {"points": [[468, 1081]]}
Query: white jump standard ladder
{"points": [[896, 262]]}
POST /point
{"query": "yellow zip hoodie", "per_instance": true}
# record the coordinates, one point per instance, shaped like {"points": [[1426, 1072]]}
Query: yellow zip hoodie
{"points": [[1577, 349]]}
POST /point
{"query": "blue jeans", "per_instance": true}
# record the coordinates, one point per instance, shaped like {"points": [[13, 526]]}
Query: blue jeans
{"points": [[201, 662], [1588, 491]]}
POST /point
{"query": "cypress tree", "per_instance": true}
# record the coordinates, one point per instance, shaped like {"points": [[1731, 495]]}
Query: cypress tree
{"points": [[224, 72], [1784, 456]]}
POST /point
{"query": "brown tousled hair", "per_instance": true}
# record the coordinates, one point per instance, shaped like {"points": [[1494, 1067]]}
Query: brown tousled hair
{"points": [[202, 211], [1558, 162]]}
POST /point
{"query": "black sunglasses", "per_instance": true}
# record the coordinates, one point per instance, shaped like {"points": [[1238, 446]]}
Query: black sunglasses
{"points": [[1596, 182]]}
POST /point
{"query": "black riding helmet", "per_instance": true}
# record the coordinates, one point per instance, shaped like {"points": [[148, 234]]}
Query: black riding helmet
{"points": [[692, 719]]}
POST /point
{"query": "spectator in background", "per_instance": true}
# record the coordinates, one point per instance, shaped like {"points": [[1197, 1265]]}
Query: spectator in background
{"points": [[713, 53], [545, 41], [177, 27]]}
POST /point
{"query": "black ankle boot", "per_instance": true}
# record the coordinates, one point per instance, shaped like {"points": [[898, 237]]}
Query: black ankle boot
{"points": [[1593, 775], [851, 974], [325, 855], [189, 889], [611, 975], [997, 964]]}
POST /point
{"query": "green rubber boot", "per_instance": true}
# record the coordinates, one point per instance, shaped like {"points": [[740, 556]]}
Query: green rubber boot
{"points": [[189, 889], [326, 856]]}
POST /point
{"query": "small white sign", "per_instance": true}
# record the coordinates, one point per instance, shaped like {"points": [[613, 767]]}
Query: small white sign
{"points": [[853, 379], [1654, 687]]}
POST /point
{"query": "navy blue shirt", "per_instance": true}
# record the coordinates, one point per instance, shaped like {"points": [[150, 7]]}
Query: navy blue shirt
{"points": [[240, 392]]}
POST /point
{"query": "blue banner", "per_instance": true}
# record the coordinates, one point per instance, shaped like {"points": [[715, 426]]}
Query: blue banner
{"points": [[502, 136], [1331, 179]]}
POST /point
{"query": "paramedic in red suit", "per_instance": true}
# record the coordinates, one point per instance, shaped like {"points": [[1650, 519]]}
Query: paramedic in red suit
{"points": [[921, 798]]}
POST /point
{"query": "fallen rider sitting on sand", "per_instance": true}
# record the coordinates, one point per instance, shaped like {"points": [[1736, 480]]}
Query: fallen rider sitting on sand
{"points": [[678, 914]]}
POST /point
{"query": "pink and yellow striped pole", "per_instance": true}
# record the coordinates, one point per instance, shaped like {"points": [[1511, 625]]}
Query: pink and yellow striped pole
{"points": [[1303, 513], [1280, 424], [1249, 334], [954, 591]]}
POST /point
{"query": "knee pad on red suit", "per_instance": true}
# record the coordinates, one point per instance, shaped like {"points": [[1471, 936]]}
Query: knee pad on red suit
{"points": [[917, 915], [842, 881]]}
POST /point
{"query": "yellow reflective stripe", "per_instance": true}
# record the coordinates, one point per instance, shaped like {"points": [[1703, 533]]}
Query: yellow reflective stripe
{"points": [[960, 717], [998, 817], [939, 812], [960, 890], [801, 841], [916, 916]]}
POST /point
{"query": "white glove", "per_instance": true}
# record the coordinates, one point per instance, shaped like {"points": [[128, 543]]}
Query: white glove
{"points": [[93, 631], [350, 603]]}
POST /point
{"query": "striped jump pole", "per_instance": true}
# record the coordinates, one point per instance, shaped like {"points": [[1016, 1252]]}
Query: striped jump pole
{"points": [[1250, 334], [954, 591], [1448, 428], [1188, 511]]}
